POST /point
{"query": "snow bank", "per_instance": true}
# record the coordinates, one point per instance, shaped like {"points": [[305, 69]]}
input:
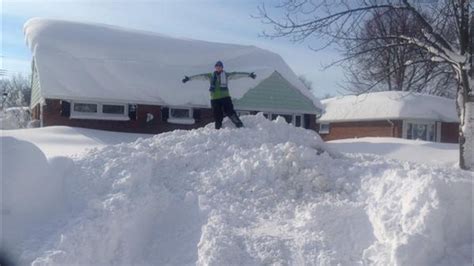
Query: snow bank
{"points": [[81, 61], [268, 193], [419, 151], [389, 105], [69, 141], [32, 191], [14, 118]]}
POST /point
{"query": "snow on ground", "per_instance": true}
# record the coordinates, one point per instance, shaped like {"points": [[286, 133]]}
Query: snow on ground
{"points": [[69, 141], [269, 193], [401, 149]]}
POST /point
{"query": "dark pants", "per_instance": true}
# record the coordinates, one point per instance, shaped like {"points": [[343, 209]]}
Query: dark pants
{"points": [[224, 107]]}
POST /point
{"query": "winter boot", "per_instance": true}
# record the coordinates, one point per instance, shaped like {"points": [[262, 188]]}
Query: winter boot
{"points": [[236, 120]]}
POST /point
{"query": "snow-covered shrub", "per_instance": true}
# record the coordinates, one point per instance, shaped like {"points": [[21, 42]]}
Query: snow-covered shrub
{"points": [[15, 117]]}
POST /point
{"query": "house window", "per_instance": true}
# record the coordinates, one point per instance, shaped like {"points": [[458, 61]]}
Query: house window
{"points": [[182, 116], [420, 130], [85, 107], [113, 109], [324, 128], [98, 111], [180, 113], [298, 121]]}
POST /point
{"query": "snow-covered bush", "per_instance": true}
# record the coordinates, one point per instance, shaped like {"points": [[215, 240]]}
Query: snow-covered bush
{"points": [[15, 117]]}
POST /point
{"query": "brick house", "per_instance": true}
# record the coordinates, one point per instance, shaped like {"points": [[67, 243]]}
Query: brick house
{"points": [[390, 114], [110, 78]]}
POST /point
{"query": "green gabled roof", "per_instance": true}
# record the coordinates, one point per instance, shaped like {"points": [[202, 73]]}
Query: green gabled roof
{"points": [[275, 93]]}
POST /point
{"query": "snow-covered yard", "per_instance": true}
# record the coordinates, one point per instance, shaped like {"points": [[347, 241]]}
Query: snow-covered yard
{"points": [[269, 193], [401, 149], [68, 141]]}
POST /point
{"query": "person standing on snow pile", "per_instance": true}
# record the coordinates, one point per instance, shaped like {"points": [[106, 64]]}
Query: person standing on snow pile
{"points": [[220, 98]]}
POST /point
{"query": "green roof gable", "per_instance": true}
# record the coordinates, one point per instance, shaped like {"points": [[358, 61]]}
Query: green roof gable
{"points": [[275, 93]]}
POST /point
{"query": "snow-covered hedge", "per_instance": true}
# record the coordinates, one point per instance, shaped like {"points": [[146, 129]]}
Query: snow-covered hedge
{"points": [[268, 193], [14, 117]]}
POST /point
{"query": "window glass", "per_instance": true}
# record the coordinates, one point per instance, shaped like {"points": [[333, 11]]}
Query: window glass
{"points": [[419, 131], [85, 107], [180, 113], [113, 109], [422, 131], [298, 121], [409, 131], [431, 132], [324, 128]]}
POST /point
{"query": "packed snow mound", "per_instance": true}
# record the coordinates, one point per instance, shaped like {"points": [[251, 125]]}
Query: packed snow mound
{"points": [[101, 62], [32, 190], [389, 105], [268, 193]]}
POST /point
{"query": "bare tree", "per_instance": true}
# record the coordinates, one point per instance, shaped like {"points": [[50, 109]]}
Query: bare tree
{"points": [[339, 21], [17, 89], [387, 69]]}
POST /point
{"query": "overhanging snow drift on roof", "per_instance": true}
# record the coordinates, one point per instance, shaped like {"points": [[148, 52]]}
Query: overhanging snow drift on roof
{"points": [[389, 105], [105, 63]]}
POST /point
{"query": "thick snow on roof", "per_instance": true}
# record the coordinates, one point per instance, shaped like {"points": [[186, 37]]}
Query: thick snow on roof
{"points": [[389, 105], [100, 62]]}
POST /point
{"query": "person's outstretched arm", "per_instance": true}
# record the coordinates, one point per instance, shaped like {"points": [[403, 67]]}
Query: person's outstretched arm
{"points": [[205, 76], [238, 75]]}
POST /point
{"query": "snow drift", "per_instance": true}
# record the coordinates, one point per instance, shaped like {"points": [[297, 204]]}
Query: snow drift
{"points": [[389, 105], [269, 193]]}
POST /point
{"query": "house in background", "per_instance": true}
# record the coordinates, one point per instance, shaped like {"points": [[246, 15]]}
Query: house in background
{"points": [[110, 78], [390, 114]]}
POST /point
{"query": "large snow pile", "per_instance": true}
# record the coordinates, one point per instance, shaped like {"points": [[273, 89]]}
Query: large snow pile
{"points": [[14, 117], [101, 62], [269, 193], [389, 105]]}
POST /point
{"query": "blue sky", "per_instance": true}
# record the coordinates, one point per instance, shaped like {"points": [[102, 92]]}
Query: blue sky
{"points": [[227, 21]]}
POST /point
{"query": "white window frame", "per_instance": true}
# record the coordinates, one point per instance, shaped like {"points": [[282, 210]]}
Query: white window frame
{"points": [[293, 117], [437, 133], [99, 115], [179, 120], [325, 131]]}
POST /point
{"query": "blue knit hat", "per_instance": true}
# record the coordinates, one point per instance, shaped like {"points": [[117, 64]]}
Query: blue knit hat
{"points": [[219, 63]]}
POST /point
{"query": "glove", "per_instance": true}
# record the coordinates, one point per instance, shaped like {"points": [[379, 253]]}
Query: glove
{"points": [[186, 78], [252, 75]]}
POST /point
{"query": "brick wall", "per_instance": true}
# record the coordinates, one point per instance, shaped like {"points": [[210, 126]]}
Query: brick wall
{"points": [[52, 117], [359, 129], [450, 132]]}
